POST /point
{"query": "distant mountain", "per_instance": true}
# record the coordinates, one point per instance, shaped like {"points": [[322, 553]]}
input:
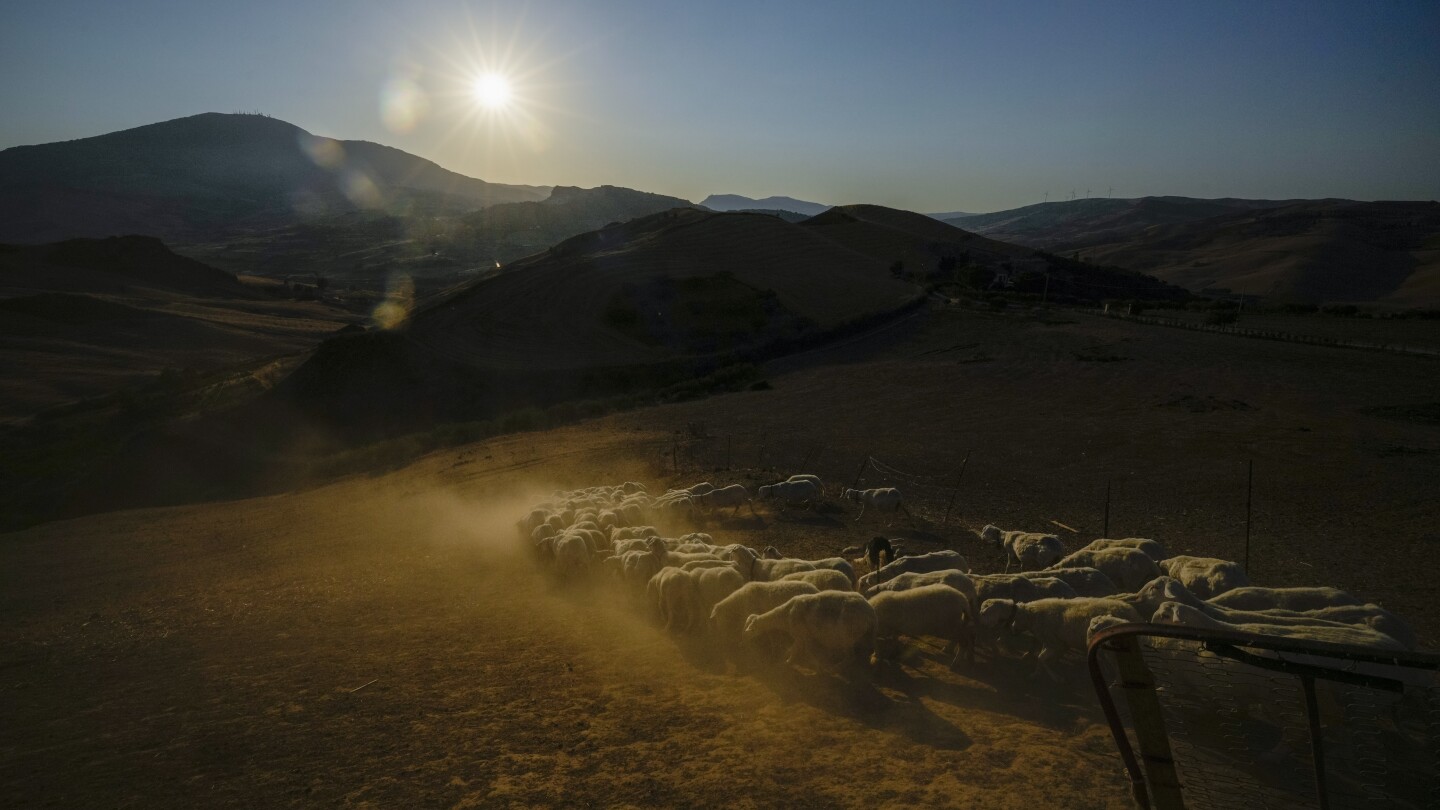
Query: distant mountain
{"points": [[944, 215], [1315, 251], [212, 175], [1077, 223], [513, 230], [735, 202]]}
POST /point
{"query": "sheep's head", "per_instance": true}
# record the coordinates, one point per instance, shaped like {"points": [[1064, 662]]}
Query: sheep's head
{"points": [[997, 613], [752, 625], [1173, 613], [851, 494], [991, 534], [772, 553], [1101, 623]]}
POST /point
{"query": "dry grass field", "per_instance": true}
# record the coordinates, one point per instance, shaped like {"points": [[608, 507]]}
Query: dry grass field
{"points": [[380, 641]]}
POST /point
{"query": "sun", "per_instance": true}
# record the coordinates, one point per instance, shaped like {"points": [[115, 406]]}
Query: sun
{"points": [[491, 91]]}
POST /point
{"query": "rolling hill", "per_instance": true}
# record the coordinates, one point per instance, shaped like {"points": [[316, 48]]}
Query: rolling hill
{"points": [[1322, 251], [1076, 224], [208, 175], [632, 303]]}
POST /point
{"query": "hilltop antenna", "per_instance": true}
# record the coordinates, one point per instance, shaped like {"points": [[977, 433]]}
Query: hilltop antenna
{"points": [[1047, 196], [1110, 193], [1072, 193], [1087, 193]]}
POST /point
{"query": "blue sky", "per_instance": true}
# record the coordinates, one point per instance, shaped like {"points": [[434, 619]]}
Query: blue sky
{"points": [[921, 105]]}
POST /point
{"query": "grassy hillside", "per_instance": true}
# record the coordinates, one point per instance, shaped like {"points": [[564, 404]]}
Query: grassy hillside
{"points": [[1385, 252]]}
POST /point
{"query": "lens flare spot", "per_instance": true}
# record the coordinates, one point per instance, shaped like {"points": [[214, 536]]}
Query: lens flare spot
{"points": [[403, 103]]}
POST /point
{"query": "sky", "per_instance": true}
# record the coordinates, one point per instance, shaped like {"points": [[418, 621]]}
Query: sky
{"points": [[926, 106]]}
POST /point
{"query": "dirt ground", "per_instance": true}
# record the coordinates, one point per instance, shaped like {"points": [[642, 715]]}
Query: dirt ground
{"points": [[381, 642]]}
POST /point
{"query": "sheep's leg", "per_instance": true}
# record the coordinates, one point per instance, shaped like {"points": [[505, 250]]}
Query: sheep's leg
{"points": [[862, 511]]}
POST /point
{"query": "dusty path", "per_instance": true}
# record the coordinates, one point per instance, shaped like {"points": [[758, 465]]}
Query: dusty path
{"points": [[377, 643]]}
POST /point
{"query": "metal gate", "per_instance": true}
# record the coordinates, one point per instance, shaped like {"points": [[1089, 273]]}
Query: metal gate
{"points": [[1210, 719]]}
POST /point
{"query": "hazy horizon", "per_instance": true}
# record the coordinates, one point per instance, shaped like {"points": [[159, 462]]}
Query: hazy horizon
{"points": [[928, 107]]}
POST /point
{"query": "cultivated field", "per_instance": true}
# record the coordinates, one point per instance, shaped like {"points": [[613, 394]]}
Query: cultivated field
{"points": [[381, 641]]}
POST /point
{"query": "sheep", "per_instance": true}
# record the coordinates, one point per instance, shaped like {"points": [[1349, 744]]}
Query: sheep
{"points": [[922, 563], [1257, 598], [632, 488], [884, 499], [671, 592], [1084, 581], [697, 565], [1205, 576], [728, 617], [734, 495], [1152, 548], [929, 610], [1059, 625], [755, 569], [1128, 568], [814, 479], [572, 556], [825, 579], [959, 580], [711, 585], [1166, 589], [828, 628], [1019, 589], [623, 546], [790, 492], [633, 533], [676, 559], [772, 553], [1363, 636], [1026, 549], [635, 568]]}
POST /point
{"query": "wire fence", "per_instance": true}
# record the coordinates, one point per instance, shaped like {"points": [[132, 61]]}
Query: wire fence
{"points": [[1095, 497], [1208, 719], [1281, 335]]}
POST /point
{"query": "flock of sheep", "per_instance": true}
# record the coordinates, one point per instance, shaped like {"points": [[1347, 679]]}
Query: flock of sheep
{"points": [[745, 600]]}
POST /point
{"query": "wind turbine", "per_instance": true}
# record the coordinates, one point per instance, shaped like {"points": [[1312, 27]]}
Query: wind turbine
{"points": [[1110, 193]]}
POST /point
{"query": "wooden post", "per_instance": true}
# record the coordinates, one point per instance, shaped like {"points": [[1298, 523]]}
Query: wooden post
{"points": [[728, 439], [955, 492], [1249, 491], [1106, 531], [861, 471]]}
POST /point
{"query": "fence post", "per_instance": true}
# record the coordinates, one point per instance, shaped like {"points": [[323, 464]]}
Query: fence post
{"points": [[861, 471], [955, 492], [675, 455], [1106, 531], [1249, 491]]}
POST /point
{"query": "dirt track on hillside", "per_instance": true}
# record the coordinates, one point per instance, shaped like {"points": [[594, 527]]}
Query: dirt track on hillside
{"points": [[379, 643]]}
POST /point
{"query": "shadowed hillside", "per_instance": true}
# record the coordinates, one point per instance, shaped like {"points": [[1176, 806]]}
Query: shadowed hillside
{"points": [[635, 304], [195, 178]]}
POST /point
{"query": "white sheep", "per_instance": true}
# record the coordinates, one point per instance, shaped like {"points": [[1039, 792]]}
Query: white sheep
{"points": [[1205, 576], [1363, 636], [829, 629], [881, 499], [929, 610], [1059, 625], [734, 495], [1166, 589], [1258, 598], [1128, 568], [1153, 548], [633, 533], [572, 556], [728, 617], [711, 586], [814, 479], [790, 492], [825, 579], [1084, 581], [667, 557], [1025, 549], [671, 592], [698, 565], [1019, 588], [944, 560], [959, 580], [756, 569]]}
